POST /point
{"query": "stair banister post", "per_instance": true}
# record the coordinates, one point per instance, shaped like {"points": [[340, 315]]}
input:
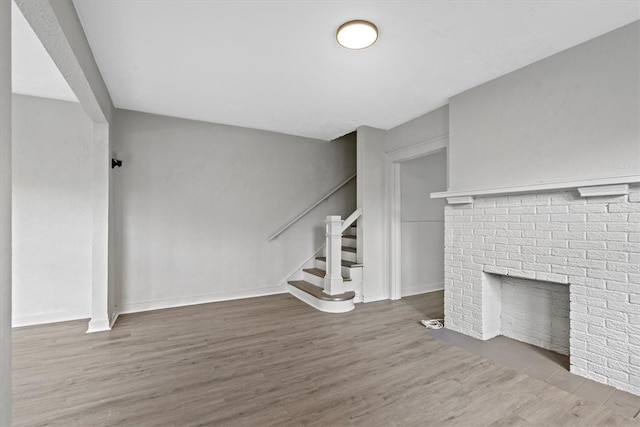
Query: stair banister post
{"points": [[333, 283]]}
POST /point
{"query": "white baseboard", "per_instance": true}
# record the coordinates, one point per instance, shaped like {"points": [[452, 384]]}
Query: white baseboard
{"points": [[416, 290], [199, 299], [281, 288], [43, 318], [98, 325], [112, 318], [370, 297], [426, 288]]}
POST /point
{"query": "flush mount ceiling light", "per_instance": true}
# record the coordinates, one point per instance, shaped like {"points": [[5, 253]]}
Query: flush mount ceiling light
{"points": [[357, 34]]}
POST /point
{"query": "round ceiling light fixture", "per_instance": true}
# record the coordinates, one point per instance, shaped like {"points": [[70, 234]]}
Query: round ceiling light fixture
{"points": [[357, 34]]}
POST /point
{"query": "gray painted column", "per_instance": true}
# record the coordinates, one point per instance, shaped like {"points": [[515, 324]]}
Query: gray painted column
{"points": [[5, 213], [100, 234]]}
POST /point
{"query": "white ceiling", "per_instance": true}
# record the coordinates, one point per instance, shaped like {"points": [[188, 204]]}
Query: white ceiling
{"points": [[33, 72], [275, 65]]}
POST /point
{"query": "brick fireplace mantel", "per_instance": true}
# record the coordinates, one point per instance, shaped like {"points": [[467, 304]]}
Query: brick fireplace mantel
{"points": [[603, 187], [591, 243]]}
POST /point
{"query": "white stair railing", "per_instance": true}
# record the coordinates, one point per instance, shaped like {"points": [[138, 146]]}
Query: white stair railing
{"points": [[310, 208], [351, 219], [333, 282]]}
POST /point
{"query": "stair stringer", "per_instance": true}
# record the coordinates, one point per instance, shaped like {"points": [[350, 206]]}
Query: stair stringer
{"points": [[297, 274]]}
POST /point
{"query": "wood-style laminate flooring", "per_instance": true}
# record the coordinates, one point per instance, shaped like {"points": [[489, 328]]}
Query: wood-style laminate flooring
{"points": [[276, 361]]}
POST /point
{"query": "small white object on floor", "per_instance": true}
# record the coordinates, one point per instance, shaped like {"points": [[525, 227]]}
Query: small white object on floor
{"points": [[433, 323]]}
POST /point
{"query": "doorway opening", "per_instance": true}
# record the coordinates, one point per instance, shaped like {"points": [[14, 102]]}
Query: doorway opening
{"points": [[422, 224], [416, 222]]}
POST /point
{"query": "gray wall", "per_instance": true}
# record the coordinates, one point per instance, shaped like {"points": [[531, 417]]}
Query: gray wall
{"points": [[196, 203], [422, 223], [373, 243], [51, 211], [424, 128], [572, 116], [372, 250]]}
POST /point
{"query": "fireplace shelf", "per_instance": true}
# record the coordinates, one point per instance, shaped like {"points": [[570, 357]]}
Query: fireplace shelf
{"points": [[591, 187]]}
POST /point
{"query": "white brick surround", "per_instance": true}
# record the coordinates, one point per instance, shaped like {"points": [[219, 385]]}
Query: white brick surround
{"points": [[591, 244]]}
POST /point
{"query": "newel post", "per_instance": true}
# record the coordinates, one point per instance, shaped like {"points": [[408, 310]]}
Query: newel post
{"points": [[333, 283]]}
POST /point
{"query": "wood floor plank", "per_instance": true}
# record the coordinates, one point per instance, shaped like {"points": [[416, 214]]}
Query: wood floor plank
{"points": [[275, 361]]}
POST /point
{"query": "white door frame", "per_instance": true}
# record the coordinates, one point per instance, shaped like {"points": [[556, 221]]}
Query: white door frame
{"points": [[392, 171]]}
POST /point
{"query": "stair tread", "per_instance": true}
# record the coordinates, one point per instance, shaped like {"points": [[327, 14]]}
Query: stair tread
{"points": [[345, 263], [321, 273], [318, 292], [348, 249], [349, 236]]}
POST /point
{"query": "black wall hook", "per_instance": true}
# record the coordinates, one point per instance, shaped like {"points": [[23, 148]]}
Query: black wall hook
{"points": [[116, 162]]}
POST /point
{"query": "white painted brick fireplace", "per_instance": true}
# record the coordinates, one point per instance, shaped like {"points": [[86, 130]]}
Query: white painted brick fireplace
{"points": [[588, 246]]}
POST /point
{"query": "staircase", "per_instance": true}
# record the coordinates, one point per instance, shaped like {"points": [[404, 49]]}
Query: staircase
{"points": [[313, 285]]}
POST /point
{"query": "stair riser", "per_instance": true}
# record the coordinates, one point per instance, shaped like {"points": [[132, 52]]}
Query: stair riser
{"points": [[350, 243], [345, 271], [319, 281], [356, 274], [349, 256], [312, 278]]}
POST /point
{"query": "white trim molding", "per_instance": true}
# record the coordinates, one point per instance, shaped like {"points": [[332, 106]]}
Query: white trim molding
{"points": [[567, 185], [460, 200], [604, 190], [419, 150], [199, 299], [45, 318], [98, 326], [112, 318], [424, 288], [394, 243], [374, 297]]}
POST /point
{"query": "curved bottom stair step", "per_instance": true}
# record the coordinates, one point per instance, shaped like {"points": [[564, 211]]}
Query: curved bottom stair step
{"points": [[316, 298], [317, 292]]}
